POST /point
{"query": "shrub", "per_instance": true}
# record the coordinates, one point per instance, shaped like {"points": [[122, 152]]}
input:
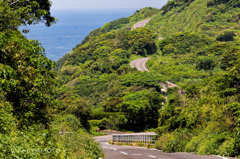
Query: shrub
{"points": [[226, 36], [205, 62], [182, 43], [95, 123], [161, 144]]}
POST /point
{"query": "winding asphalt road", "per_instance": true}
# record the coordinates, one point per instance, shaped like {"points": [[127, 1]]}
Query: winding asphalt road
{"points": [[140, 64], [141, 23]]}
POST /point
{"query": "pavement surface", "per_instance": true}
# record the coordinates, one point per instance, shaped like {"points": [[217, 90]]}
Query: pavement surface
{"points": [[170, 84], [134, 152], [141, 23], [140, 64]]}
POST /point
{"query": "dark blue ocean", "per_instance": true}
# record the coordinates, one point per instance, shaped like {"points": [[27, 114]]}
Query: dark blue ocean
{"points": [[72, 27]]}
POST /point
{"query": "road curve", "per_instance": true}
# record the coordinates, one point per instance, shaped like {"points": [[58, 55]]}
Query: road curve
{"points": [[141, 23], [140, 64], [134, 152]]}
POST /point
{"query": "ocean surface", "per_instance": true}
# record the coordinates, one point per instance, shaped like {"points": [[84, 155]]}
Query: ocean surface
{"points": [[72, 27]]}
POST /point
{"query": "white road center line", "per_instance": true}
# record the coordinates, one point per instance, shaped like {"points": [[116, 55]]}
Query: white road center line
{"points": [[152, 156], [113, 148], [124, 153]]}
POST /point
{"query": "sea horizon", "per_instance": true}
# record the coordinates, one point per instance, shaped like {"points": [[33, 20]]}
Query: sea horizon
{"points": [[72, 27]]}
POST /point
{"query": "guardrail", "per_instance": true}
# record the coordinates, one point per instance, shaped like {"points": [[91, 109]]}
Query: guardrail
{"points": [[134, 137]]}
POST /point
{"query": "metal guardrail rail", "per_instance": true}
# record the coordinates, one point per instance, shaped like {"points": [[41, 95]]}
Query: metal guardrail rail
{"points": [[134, 137]]}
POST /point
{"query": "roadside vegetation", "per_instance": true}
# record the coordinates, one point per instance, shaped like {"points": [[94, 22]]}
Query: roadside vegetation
{"points": [[30, 126]]}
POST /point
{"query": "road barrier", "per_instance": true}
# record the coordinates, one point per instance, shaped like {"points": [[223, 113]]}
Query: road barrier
{"points": [[134, 137]]}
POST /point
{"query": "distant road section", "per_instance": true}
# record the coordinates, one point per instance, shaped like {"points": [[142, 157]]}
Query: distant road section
{"points": [[141, 23], [170, 84], [140, 64]]}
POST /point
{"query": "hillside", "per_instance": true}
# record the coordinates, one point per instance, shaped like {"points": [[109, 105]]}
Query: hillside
{"points": [[201, 39], [200, 52], [98, 74], [210, 17]]}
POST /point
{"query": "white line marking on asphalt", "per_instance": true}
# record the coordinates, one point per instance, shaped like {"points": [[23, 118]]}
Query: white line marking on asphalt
{"points": [[152, 156], [220, 157], [107, 143], [141, 147], [113, 148], [124, 153], [144, 65], [137, 154]]}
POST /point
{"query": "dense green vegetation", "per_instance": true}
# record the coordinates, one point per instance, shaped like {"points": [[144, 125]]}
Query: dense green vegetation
{"points": [[209, 17], [203, 117], [98, 75], [200, 52], [29, 123], [191, 57]]}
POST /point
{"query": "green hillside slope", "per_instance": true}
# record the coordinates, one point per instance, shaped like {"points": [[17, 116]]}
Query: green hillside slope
{"points": [[99, 76], [200, 52], [209, 17]]}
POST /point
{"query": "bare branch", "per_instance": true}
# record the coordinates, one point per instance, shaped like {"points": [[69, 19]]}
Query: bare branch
{"points": [[14, 2]]}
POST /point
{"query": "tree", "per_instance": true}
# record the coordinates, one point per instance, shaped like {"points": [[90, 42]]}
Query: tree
{"points": [[205, 62], [141, 108], [80, 109], [27, 81], [24, 12]]}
